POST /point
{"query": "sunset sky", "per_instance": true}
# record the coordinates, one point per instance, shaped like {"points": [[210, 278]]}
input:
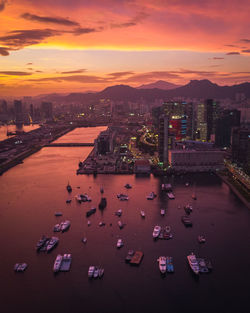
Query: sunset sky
{"points": [[80, 45]]}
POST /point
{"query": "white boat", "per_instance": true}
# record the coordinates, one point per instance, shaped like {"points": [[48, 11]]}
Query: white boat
{"points": [[96, 272], [65, 225], [166, 187], [89, 223], [142, 213], [91, 271], [119, 243], [151, 196], [162, 264], [193, 263], [171, 195], [78, 198], [57, 228], [119, 212], [120, 224], [187, 184], [162, 212], [84, 239], [101, 224], [156, 232], [122, 197], [57, 263], [52, 243]]}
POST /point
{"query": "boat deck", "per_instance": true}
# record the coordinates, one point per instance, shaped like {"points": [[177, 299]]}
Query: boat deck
{"points": [[137, 258], [65, 265]]}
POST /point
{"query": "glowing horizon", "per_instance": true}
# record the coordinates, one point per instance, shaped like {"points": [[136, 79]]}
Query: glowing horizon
{"points": [[137, 41]]}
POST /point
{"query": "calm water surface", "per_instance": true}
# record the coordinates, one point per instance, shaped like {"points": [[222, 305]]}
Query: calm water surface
{"points": [[32, 192]]}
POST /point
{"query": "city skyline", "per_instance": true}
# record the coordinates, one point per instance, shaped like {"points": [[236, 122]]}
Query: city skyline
{"points": [[79, 46]]}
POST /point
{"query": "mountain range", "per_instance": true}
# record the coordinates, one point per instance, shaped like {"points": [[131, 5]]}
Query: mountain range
{"points": [[160, 84], [194, 89]]}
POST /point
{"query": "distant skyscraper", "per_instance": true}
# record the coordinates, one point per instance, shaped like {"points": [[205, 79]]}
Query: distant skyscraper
{"points": [[18, 109], [241, 146], [224, 124], [201, 122], [46, 110], [212, 113]]}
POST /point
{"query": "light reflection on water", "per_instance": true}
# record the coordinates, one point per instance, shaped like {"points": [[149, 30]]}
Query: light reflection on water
{"points": [[32, 192]]}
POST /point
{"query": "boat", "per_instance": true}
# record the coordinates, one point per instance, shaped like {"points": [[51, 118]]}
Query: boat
{"points": [[129, 256], [66, 262], [52, 243], [101, 224], [96, 272], [90, 212], [128, 186], [103, 203], [193, 263], [187, 184], [100, 272], [143, 214], [122, 197], [202, 265], [188, 208], [156, 231], [137, 258], [57, 228], [91, 271], [162, 264], [65, 225], [41, 242], [69, 188], [162, 212], [101, 190], [57, 263], [119, 243], [194, 196], [78, 198], [151, 196], [170, 266], [119, 212], [208, 264], [89, 223], [166, 187], [170, 195], [86, 197], [58, 214], [20, 267], [168, 229], [120, 224], [186, 221], [84, 240], [201, 239]]}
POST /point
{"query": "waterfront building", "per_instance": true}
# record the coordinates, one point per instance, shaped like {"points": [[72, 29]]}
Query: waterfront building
{"points": [[196, 160], [142, 166], [241, 146]]}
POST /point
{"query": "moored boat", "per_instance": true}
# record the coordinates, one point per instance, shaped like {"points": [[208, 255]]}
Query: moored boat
{"points": [[170, 266], [57, 228], [201, 239], [120, 224], [69, 188], [91, 271], [162, 212], [119, 212], [41, 242], [129, 256], [143, 214], [84, 240], [186, 221], [20, 267], [171, 196], [58, 214], [102, 224], [66, 262], [156, 231], [151, 196], [52, 243], [90, 212], [103, 203], [137, 258], [166, 187], [65, 225], [57, 263], [128, 186], [193, 263], [162, 264], [100, 272], [119, 243]]}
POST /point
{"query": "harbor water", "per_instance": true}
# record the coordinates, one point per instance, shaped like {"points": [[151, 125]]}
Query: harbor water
{"points": [[32, 192]]}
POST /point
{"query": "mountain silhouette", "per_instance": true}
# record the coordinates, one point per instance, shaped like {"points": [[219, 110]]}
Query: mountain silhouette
{"points": [[160, 84]]}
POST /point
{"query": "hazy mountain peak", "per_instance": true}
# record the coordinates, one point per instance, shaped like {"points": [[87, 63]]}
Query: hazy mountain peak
{"points": [[160, 84]]}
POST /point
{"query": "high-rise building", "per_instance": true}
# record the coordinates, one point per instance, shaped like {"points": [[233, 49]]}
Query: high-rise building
{"points": [[212, 114], [201, 131], [18, 109], [241, 146], [224, 124], [163, 139], [46, 110]]}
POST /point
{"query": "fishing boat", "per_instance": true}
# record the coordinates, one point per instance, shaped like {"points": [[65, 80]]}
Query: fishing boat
{"points": [[162, 212], [52, 243], [120, 224], [162, 264], [41, 242], [119, 212], [170, 195], [65, 225], [193, 263], [66, 262], [151, 196], [20, 267]]}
